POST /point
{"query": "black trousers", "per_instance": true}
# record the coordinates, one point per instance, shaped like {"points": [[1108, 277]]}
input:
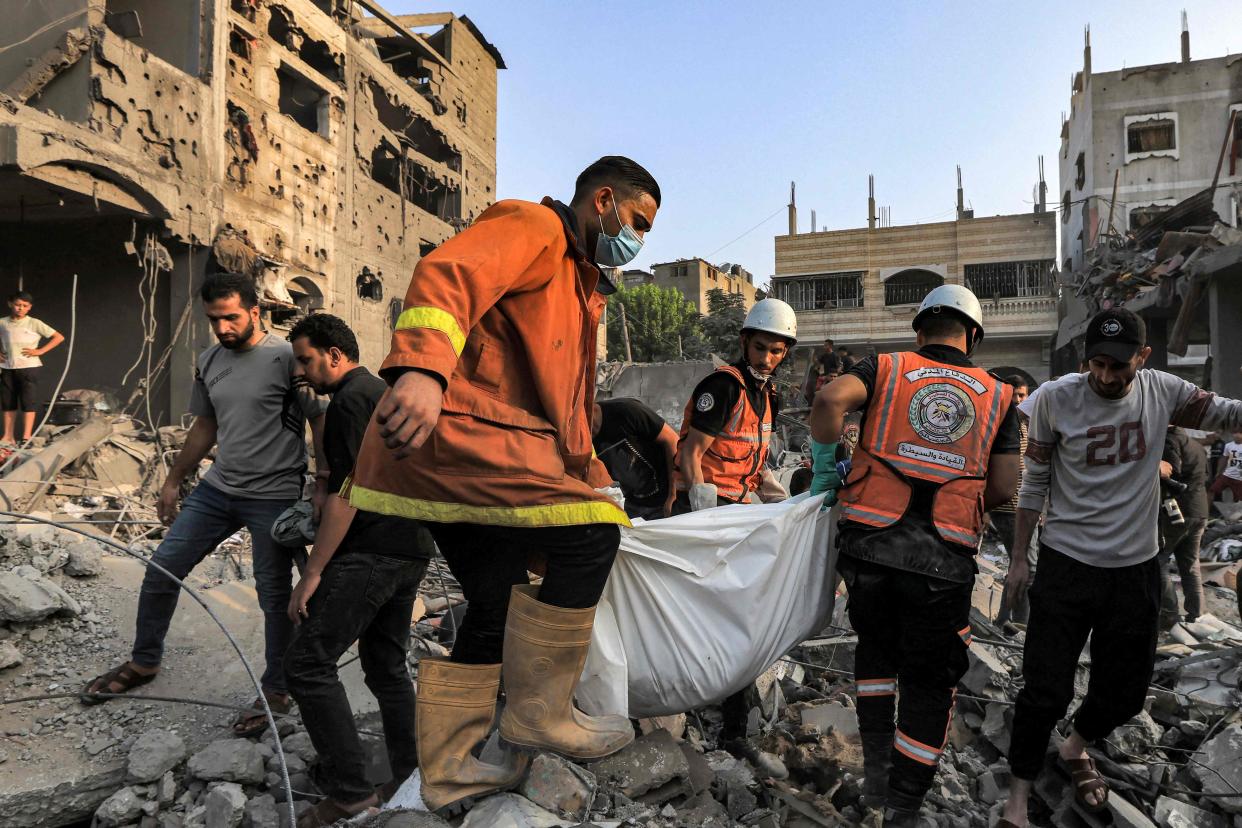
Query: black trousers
{"points": [[1119, 609], [913, 633], [488, 561], [369, 599], [19, 389]]}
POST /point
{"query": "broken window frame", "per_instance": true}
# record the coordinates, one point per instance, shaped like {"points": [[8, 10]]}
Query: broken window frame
{"points": [[1151, 124], [1066, 207], [1080, 171], [323, 119], [1140, 215], [822, 291], [1235, 150], [1019, 279]]}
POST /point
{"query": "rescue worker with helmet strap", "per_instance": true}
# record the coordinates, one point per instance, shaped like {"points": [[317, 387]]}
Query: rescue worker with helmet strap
{"points": [[485, 437], [939, 445], [722, 450]]}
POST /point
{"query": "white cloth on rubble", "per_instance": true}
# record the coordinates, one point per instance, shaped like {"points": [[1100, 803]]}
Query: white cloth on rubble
{"points": [[699, 605]]}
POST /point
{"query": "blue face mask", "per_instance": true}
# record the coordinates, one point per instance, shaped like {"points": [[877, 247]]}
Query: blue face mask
{"points": [[618, 250]]}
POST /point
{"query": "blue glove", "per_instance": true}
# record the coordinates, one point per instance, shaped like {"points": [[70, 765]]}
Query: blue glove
{"points": [[826, 478]]}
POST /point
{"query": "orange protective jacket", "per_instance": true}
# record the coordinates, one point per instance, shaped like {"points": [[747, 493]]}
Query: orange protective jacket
{"points": [[734, 461], [505, 315], [930, 421]]}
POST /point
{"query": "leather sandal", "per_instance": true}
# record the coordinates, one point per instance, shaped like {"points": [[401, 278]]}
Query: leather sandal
{"points": [[254, 721], [1086, 779], [124, 677]]}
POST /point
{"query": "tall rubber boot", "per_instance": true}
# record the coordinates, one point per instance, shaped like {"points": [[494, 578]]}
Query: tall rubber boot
{"points": [[877, 760], [453, 712], [545, 648]]}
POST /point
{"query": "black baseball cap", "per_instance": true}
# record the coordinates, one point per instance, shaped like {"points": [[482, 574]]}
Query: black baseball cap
{"points": [[1117, 333]]}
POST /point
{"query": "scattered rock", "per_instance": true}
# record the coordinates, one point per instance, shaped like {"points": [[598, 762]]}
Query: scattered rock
{"points": [[263, 812], [84, 560], [829, 717], [1219, 767], [153, 754], [299, 744], [10, 656], [122, 807], [1173, 813], [511, 811], [225, 803], [25, 595], [228, 760], [649, 762], [559, 786]]}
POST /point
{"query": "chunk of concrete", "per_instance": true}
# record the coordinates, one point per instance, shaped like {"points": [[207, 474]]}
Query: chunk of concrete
{"points": [[559, 786], [10, 656], [299, 744], [228, 760], [987, 675], [1218, 767], [702, 810], [511, 811], [122, 807], [649, 762], [85, 560], [27, 596], [1133, 737], [1126, 815], [1173, 813], [226, 804], [832, 717], [153, 754], [262, 812]]}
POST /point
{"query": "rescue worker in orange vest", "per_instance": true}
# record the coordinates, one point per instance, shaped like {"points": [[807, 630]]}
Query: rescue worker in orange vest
{"points": [[939, 445], [722, 451], [485, 438]]}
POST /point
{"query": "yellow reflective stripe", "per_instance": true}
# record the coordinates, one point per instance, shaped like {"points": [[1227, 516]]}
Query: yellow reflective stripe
{"points": [[435, 511], [436, 319]]}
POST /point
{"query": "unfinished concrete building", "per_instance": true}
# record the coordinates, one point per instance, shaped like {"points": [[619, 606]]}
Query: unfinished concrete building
{"points": [[322, 146]]}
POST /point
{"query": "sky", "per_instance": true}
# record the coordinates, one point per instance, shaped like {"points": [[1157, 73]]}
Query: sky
{"points": [[726, 103]]}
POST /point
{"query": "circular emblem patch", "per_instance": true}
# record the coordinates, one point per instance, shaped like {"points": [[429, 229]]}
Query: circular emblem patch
{"points": [[705, 402], [941, 413], [1111, 327]]}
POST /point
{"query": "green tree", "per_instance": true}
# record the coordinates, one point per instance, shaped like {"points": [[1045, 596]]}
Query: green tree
{"points": [[723, 324], [656, 317]]}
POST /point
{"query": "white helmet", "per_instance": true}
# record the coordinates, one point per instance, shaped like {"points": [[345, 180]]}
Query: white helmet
{"points": [[775, 317], [958, 300]]}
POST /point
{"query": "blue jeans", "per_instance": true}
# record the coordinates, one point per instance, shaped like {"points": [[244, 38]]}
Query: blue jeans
{"points": [[207, 517]]}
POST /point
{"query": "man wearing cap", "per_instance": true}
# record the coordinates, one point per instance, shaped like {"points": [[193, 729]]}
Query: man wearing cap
{"points": [[1093, 453], [939, 444]]}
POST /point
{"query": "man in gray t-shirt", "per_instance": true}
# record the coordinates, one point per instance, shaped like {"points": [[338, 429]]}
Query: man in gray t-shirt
{"points": [[247, 403], [1094, 456]]}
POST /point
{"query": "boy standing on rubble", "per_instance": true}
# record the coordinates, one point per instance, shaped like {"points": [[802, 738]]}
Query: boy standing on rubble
{"points": [[939, 445], [1094, 455], [485, 435], [20, 352]]}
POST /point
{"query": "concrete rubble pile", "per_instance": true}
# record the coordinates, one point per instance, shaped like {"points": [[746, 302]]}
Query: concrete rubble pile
{"points": [[1172, 255]]}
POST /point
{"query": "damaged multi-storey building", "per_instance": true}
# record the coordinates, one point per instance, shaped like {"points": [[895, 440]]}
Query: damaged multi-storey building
{"points": [[322, 146]]}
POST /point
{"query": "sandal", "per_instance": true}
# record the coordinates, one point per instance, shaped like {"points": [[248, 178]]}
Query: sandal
{"points": [[254, 721], [1086, 780], [327, 813], [124, 677]]}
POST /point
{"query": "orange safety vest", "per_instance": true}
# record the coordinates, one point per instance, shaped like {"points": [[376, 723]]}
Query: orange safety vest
{"points": [[734, 461], [927, 421]]}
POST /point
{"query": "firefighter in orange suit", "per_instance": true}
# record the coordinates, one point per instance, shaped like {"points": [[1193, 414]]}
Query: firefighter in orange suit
{"points": [[939, 445], [722, 451], [485, 437]]}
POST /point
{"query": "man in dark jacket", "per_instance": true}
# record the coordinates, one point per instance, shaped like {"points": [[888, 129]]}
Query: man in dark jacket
{"points": [[639, 450], [1186, 465]]}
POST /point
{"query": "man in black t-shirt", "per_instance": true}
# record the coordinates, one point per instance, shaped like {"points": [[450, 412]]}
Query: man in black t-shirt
{"points": [[639, 450], [360, 584]]}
